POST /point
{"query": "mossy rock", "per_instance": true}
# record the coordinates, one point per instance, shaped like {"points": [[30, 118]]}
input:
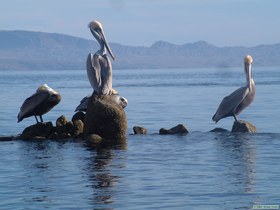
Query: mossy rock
{"points": [[243, 126], [105, 118]]}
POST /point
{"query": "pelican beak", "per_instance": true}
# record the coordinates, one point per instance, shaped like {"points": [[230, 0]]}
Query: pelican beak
{"points": [[104, 41]]}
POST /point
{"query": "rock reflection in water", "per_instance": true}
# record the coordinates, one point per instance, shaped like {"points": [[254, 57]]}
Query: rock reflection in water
{"points": [[100, 174], [238, 156]]}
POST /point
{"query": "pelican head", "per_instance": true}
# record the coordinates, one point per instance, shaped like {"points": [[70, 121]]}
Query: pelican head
{"points": [[46, 88], [97, 31], [248, 59]]}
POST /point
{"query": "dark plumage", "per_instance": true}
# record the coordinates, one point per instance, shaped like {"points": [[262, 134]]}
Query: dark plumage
{"points": [[236, 102], [39, 103]]}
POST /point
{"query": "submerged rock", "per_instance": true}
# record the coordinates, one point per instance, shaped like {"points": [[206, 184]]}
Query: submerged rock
{"points": [[219, 130], [179, 129], [243, 126], [139, 130], [7, 138], [105, 118], [37, 131]]}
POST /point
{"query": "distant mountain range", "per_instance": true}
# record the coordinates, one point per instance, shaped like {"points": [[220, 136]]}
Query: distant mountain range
{"points": [[37, 50]]}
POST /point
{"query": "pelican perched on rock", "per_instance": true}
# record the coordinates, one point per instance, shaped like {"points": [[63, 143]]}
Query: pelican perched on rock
{"points": [[236, 102], [82, 107], [99, 68], [39, 103]]}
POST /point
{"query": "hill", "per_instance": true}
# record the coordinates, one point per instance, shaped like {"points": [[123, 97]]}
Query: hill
{"points": [[37, 50]]}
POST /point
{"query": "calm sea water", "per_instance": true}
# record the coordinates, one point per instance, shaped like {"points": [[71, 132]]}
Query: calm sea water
{"points": [[201, 170]]}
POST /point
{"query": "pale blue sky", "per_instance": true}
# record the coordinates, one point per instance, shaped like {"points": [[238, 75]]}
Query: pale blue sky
{"points": [[142, 22]]}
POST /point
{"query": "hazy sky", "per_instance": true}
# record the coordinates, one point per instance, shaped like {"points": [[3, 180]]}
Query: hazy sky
{"points": [[142, 22]]}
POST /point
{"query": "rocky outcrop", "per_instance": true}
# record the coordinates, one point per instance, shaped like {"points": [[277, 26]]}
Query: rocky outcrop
{"points": [[243, 126], [63, 129], [104, 117], [179, 129]]}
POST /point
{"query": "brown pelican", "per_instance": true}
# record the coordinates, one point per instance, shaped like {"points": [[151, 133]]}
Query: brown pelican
{"points": [[82, 107], [236, 102], [39, 103], [99, 68]]}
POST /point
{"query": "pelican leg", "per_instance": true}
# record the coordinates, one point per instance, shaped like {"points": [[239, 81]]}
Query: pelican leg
{"points": [[41, 118], [36, 119], [235, 117]]}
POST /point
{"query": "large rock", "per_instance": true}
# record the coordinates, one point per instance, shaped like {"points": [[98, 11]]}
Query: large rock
{"points": [[243, 126], [179, 129], [105, 118]]}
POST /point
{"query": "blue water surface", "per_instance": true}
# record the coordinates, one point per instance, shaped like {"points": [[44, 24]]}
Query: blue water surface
{"points": [[200, 170]]}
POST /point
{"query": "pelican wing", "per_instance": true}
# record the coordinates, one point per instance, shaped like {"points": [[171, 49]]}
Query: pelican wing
{"points": [[106, 75], [31, 103], [94, 72], [230, 103]]}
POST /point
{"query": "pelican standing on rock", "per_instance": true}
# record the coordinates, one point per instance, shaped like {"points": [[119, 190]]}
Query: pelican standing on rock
{"points": [[39, 103], [99, 68], [236, 102]]}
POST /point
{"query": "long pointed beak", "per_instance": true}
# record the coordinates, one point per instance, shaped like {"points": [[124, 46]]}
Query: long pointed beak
{"points": [[103, 39]]}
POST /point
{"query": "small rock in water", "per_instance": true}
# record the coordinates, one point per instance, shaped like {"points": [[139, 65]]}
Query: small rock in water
{"points": [[61, 121], [78, 116], [93, 140], [219, 130], [179, 129], [243, 126], [139, 130], [7, 138], [78, 128]]}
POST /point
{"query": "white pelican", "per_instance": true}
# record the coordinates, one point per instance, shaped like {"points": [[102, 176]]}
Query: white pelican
{"points": [[99, 68]]}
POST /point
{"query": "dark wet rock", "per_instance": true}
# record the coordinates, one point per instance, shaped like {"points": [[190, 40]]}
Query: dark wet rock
{"points": [[179, 129], [243, 126], [70, 128], [61, 121], [78, 116], [139, 130], [39, 130], [65, 135], [93, 140], [78, 128], [7, 138], [219, 130], [64, 128], [54, 136], [105, 118]]}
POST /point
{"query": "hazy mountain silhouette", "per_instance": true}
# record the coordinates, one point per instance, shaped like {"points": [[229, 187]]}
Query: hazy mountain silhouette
{"points": [[37, 50]]}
